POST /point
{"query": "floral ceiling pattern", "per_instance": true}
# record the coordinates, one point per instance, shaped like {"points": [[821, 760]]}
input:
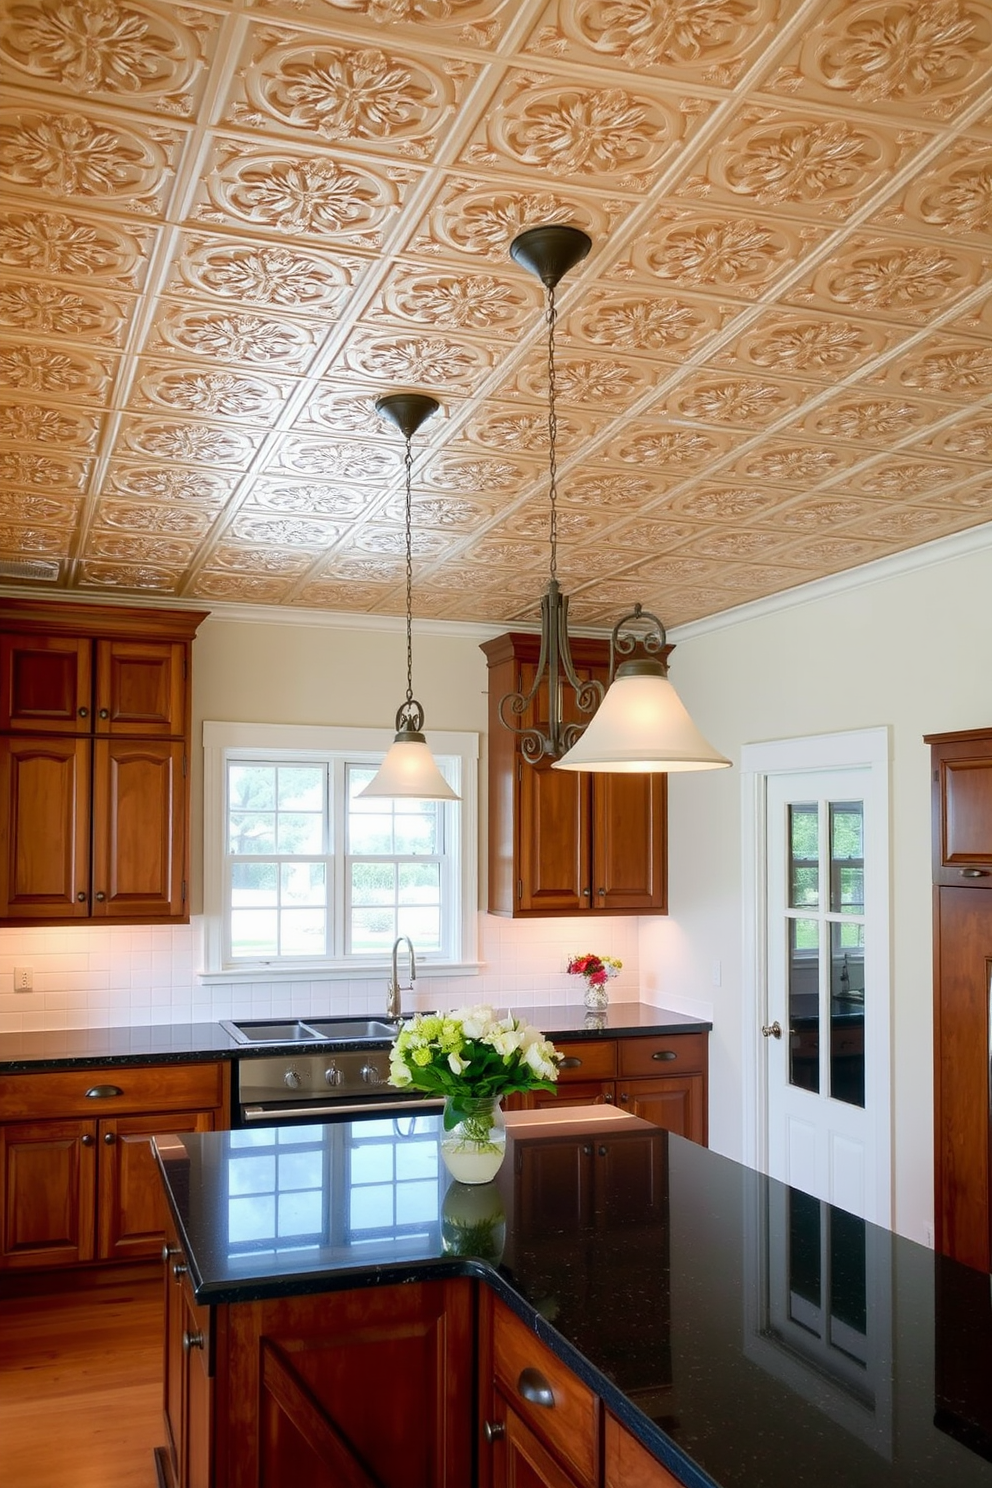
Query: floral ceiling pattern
{"points": [[227, 227]]}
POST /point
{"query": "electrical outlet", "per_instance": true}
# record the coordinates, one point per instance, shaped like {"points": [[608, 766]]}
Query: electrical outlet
{"points": [[23, 979]]}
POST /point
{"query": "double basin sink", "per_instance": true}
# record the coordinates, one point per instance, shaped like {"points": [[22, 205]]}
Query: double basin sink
{"points": [[311, 1030]]}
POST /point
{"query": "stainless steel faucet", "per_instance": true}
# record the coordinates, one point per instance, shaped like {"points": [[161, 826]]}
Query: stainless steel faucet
{"points": [[394, 1004]]}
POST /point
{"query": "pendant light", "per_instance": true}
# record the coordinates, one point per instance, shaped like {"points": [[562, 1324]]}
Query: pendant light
{"points": [[640, 726], [409, 770]]}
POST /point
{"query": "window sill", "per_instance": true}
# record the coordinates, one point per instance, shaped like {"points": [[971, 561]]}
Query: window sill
{"points": [[337, 971]]}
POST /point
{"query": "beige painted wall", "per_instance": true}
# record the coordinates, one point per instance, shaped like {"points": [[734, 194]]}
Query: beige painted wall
{"points": [[912, 652]]}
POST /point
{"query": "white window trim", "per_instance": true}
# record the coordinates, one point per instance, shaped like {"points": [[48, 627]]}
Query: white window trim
{"points": [[361, 744]]}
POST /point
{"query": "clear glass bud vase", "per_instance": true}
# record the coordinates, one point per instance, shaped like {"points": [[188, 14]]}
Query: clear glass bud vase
{"points": [[473, 1138]]}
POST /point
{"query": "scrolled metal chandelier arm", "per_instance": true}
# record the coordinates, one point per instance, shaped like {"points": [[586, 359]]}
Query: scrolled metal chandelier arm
{"points": [[639, 628]]}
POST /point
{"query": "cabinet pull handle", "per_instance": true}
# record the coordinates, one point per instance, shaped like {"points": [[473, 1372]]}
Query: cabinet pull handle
{"points": [[493, 1431], [87, 1140], [103, 1092], [663, 1054], [534, 1387], [109, 1138], [84, 712], [192, 1341], [974, 873], [101, 897], [571, 1061], [81, 897]]}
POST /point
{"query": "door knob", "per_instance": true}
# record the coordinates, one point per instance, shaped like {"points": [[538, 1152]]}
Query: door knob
{"points": [[772, 1030]]}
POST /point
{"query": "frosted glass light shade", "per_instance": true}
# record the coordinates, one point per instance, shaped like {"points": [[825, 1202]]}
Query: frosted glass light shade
{"points": [[641, 727], [409, 771]]}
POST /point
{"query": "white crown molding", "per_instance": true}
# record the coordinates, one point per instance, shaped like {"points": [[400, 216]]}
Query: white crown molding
{"points": [[881, 570]]}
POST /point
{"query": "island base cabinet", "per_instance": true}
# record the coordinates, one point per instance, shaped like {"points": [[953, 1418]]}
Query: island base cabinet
{"points": [[367, 1387], [519, 1459], [628, 1464]]}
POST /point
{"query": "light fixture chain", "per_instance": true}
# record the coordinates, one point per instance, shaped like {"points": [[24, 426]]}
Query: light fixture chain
{"points": [[408, 464], [552, 431]]}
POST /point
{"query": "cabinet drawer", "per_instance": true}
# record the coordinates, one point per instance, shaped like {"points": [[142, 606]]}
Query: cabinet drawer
{"points": [[674, 1054], [570, 1426], [63, 1093], [588, 1060]]}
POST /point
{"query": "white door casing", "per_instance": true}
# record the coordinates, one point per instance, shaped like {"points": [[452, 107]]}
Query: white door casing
{"points": [[835, 1149]]}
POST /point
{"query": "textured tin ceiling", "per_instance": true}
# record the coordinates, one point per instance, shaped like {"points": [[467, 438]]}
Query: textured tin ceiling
{"points": [[225, 229]]}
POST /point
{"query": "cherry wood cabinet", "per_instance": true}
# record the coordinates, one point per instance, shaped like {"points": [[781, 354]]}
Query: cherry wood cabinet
{"points": [[188, 1397], [78, 1185], [94, 744], [961, 785], [561, 842], [627, 1464], [662, 1079]]}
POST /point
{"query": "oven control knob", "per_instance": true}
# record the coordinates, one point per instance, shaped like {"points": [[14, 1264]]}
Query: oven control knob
{"points": [[293, 1079], [371, 1075], [333, 1075]]}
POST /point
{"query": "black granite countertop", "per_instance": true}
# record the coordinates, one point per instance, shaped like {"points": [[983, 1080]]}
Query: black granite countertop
{"points": [[748, 1335], [174, 1043]]}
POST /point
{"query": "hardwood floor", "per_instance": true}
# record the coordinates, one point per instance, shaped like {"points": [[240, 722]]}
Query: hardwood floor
{"points": [[81, 1388]]}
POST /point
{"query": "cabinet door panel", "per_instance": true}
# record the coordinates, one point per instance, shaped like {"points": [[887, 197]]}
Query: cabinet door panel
{"points": [[48, 1176], [44, 828], [45, 684], [139, 809], [519, 1459], [575, 1093], [140, 687], [629, 842], [553, 849], [629, 1465], [962, 813], [570, 1427], [677, 1103], [130, 1198]]}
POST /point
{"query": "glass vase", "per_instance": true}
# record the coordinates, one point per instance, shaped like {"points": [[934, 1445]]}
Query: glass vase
{"points": [[597, 998], [473, 1138], [473, 1221]]}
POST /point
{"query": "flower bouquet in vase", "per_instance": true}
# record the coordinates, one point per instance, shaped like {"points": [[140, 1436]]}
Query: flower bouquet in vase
{"points": [[472, 1058], [598, 971]]}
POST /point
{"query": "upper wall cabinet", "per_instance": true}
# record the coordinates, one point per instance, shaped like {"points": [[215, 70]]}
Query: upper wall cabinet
{"points": [[94, 747], [962, 808], [561, 842]]}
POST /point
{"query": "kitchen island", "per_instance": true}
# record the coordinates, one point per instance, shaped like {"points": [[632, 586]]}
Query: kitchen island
{"points": [[741, 1333]]}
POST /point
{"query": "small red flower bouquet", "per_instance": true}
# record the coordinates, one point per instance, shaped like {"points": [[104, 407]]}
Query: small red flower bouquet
{"points": [[597, 970]]}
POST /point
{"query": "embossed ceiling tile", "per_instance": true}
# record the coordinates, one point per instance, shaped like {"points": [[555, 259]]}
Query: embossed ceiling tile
{"points": [[61, 245], [243, 396], [809, 345], [169, 483], [138, 548], [74, 157], [293, 194], [977, 497], [783, 463], [422, 360], [505, 429], [27, 509], [97, 574], [909, 478], [503, 551], [352, 460], [378, 538], [641, 324], [823, 513], [33, 367], [752, 544], [717, 251], [67, 312], [630, 543], [970, 438], [742, 402], [363, 570], [614, 491], [296, 532], [276, 276], [466, 220], [947, 368], [342, 408], [130, 516], [473, 22], [802, 164], [247, 559], [346, 92], [52, 427], [322, 594], [307, 498], [913, 524], [21, 541], [491, 304], [671, 573], [42, 472], [473, 476], [602, 381], [246, 588], [952, 197], [710, 44], [231, 335], [914, 58], [607, 135], [709, 502], [977, 318], [754, 579], [575, 525], [448, 513], [671, 452], [153, 58], [187, 443], [830, 554], [893, 278], [868, 418]]}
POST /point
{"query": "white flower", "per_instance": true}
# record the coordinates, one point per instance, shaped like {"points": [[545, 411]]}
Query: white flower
{"points": [[456, 1064]]}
